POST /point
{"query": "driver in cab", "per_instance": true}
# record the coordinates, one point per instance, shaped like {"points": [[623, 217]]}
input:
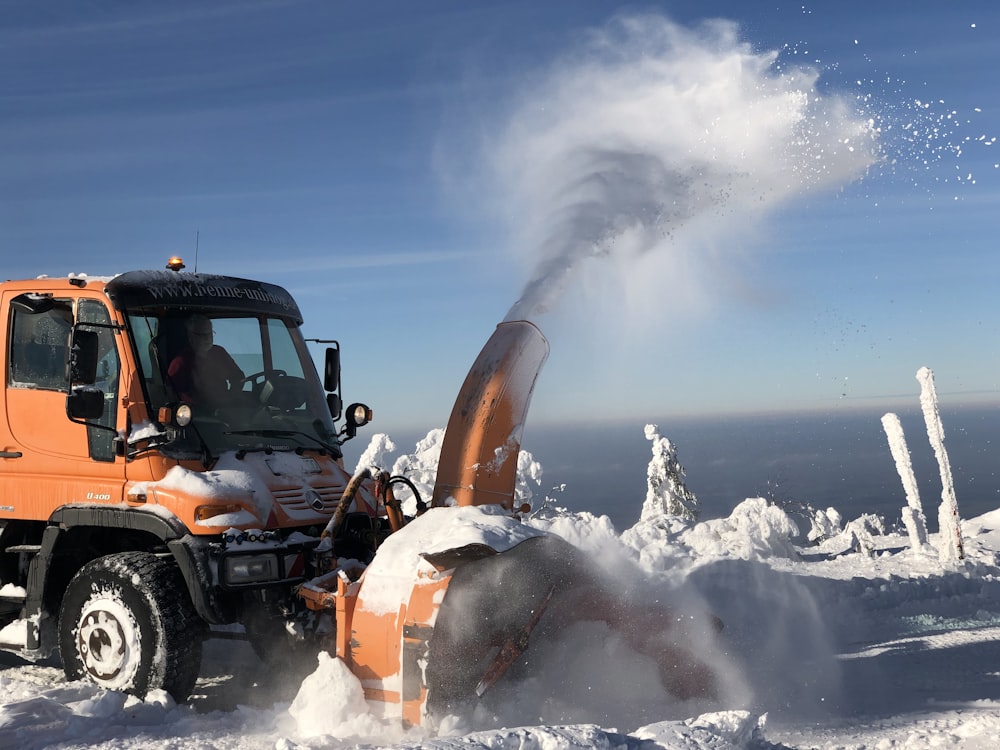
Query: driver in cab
{"points": [[204, 373]]}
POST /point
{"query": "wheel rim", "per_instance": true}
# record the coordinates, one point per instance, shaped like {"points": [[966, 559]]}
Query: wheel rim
{"points": [[107, 642]]}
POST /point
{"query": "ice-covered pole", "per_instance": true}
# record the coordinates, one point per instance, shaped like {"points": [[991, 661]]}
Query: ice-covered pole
{"points": [[913, 513], [948, 520]]}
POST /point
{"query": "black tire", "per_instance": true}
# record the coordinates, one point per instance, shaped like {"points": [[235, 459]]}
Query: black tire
{"points": [[127, 623]]}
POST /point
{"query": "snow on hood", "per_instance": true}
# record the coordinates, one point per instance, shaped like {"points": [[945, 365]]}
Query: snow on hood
{"points": [[224, 481], [245, 478]]}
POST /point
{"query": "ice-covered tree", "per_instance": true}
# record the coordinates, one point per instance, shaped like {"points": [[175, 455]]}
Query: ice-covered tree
{"points": [[374, 456], [420, 467], [666, 492]]}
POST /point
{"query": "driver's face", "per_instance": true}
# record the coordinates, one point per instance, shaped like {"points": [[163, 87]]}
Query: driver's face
{"points": [[200, 336]]}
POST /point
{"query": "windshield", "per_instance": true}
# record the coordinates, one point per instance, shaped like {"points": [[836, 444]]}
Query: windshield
{"points": [[249, 380]]}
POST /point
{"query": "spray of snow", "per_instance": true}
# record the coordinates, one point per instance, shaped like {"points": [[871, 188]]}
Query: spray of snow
{"points": [[608, 679], [926, 140], [951, 531], [913, 513], [656, 143], [655, 562]]}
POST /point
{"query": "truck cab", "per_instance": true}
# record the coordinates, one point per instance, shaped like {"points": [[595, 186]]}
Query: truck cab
{"points": [[135, 515]]}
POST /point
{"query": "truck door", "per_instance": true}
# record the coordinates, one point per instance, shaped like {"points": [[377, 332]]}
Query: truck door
{"points": [[53, 461]]}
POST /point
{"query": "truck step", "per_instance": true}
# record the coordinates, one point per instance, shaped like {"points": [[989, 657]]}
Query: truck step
{"points": [[31, 548], [11, 598], [14, 635]]}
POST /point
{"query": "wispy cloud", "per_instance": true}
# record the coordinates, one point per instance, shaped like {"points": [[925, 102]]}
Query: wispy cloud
{"points": [[321, 262], [161, 16]]}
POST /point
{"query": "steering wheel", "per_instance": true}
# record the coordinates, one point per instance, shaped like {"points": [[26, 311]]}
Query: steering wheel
{"points": [[278, 389], [262, 376]]}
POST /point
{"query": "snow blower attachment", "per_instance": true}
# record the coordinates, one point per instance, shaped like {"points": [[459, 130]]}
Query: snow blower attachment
{"points": [[449, 602]]}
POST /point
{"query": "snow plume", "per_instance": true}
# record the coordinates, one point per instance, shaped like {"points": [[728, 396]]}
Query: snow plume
{"points": [[584, 670], [927, 141], [617, 645], [769, 616], [660, 141]]}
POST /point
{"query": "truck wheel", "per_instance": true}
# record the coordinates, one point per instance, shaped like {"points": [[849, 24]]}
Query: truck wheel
{"points": [[127, 623]]}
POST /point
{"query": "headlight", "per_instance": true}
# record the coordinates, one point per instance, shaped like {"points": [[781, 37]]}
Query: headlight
{"points": [[358, 415], [179, 415], [251, 569]]}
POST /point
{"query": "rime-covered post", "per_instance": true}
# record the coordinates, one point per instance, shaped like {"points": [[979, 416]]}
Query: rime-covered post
{"points": [[666, 493], [948, 520], [913, 513]]}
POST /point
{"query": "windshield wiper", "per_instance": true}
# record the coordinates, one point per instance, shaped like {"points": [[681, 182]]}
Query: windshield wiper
{"points": [[288, 433]]}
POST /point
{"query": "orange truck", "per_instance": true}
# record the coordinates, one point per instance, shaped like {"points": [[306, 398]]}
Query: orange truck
{"points": [[171, 469], [132, 520]]}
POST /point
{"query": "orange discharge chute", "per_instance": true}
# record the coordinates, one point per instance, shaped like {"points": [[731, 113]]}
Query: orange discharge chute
{"points": [[479, 455]]}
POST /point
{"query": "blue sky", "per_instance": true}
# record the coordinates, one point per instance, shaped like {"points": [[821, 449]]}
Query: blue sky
{"points": [[341, 149]]}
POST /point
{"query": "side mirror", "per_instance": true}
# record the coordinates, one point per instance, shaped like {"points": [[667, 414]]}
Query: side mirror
{"points": [[85, 404], [83, 358], [331, 370], [33, 304]]}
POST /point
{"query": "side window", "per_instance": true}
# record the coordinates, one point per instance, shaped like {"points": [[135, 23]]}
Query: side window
{"points": [[108, 371], [39, 343], [145, 331]]}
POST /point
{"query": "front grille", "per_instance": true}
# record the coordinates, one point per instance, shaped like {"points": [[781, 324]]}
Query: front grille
{"points": [[300, 498]]}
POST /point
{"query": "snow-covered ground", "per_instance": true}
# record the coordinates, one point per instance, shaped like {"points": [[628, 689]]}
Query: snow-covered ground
{"points": [[857, 641]]}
